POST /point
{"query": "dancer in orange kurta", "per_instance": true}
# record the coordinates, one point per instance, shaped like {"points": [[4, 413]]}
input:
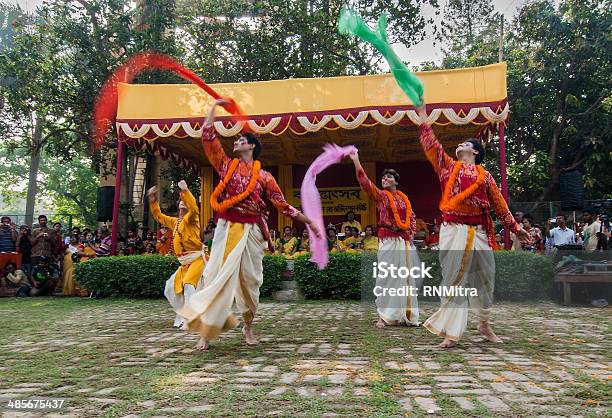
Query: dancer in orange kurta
{"points": [[187, 247], [469, 193], [235, 271]]}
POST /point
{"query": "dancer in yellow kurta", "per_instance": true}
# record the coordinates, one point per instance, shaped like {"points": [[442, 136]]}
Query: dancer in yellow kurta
{"points": [[187, 247]]}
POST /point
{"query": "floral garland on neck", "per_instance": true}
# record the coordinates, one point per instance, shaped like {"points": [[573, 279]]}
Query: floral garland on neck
{"points": [[233, 200], [453, 204], [401, 225]]}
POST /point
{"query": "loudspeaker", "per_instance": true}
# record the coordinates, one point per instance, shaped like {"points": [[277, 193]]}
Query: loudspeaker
{"points": [[104, 210], [571, 190]]}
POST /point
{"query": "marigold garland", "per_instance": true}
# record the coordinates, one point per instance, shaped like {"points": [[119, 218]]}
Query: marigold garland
{"points": [[233, 200], [401, 225], [448, 204]]}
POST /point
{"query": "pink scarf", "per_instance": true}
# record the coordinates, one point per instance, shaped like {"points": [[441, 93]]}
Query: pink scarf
{"points": [[311, 200]]}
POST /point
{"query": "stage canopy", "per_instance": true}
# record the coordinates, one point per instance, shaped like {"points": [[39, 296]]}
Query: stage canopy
{"points": [[295, 117]]}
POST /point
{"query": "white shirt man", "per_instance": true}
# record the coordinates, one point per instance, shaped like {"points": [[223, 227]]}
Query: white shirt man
{"points": [[562, 236]]}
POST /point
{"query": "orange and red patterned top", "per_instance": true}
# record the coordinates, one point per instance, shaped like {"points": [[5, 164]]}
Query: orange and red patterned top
{"points": [[485, 198], [387, 227], [253, 205]]}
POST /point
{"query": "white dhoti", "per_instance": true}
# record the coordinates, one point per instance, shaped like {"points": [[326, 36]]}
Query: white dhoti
{"points": [[234, 271], [402, 309], [178, 300], [467, 261]]}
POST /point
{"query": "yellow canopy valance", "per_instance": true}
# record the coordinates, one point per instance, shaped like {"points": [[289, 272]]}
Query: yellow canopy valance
{"points": [[371, 111]]}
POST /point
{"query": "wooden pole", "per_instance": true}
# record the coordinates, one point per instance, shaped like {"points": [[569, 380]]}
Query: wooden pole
{"points": [[500, 54], [502, 139], [115, 230]]}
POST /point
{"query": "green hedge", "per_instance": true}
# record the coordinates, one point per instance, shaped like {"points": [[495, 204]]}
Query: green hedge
{"points": [[274, 266], [519, 275], [145, 276]]}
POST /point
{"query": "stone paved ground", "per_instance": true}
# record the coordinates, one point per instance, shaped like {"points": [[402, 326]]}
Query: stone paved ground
{"points": [[123, 359]]}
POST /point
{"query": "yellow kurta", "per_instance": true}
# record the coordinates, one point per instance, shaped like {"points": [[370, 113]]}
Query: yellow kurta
{"points": [[186, 238], [370, 243], [303, 247], [287, 248], [348, 244], [352, 224]]}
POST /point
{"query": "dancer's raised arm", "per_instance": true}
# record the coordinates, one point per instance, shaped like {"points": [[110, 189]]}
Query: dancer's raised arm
{"points": [[434, 151], [210, 142], [187, 198], [365, 183], [165, 220]]}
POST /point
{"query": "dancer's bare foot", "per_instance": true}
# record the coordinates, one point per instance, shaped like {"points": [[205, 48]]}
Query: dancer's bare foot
{"points": [[485, 329], [202, 345], [381, 324], [447, 343], [249, 337]]}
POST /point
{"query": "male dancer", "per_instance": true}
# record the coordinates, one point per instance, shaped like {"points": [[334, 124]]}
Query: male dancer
{"points": [[235, 267], [187, 247], [466, 235], [396, 227]]}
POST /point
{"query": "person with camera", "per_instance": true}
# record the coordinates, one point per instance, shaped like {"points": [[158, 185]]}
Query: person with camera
{"points": [[561, 235], [42, 241], [44, 277]]}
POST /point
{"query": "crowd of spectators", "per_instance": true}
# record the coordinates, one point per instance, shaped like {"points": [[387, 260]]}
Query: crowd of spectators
{"points": [[590, 233], [39, 261]]}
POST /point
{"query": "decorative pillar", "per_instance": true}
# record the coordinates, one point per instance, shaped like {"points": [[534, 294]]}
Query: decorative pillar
{"points": [[504, 176], [115, 230], [370, 217], [285, 182], [206, 189]]}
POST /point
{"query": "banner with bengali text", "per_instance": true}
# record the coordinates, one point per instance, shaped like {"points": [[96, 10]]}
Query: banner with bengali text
{"points": [[337, 200]]}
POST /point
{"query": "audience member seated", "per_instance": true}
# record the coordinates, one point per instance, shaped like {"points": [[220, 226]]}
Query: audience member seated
{"points": [[149, 249], [44, 277], [369, 242], [133, 244], [16, 279], [351, 222], [286, 244], [332, 241], [303, 245], [164, 242], [149, 239], [351, 243]]}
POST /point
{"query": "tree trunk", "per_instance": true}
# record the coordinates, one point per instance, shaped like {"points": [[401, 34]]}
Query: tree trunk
{"points": [[33, 172]]}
